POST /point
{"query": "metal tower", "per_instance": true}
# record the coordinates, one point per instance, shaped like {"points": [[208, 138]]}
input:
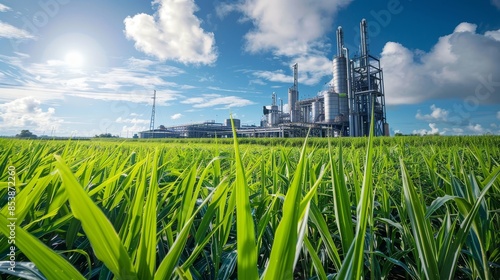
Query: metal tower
{"points": [[367, 86], [152, 122], [293, 95]]}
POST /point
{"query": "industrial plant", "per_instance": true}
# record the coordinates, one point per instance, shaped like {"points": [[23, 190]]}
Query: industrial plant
{"points": [[343, 109]]}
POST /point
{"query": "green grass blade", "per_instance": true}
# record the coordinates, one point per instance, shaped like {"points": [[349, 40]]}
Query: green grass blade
{"points": [[352, 266], [100, 232], [169, 263], [285, 240], [341, 201], [47, 261], [146, 253], [449, 262], [245, 228], [318, 266], [421, 227]]}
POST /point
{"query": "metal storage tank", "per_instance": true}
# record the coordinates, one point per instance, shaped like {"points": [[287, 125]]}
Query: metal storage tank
{"points": [[315, 111], [292, 100], [272, 117], [340, 83], [331, 106], [237, 123]]}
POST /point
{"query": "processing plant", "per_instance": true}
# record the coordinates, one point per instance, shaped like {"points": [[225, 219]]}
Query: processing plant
{"points": [[343, 109]]}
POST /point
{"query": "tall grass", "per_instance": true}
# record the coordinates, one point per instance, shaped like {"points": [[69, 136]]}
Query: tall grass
{"points": [[378, 208]]}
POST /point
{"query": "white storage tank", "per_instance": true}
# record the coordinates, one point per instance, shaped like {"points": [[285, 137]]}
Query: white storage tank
{"points": [[331, 106]]}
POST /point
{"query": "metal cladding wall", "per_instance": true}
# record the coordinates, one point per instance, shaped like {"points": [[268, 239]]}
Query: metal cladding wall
{"points": [[237, 123], [331, 106], [340, 83]]}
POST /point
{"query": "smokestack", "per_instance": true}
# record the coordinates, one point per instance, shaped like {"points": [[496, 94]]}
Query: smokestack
{"points": [[364, 37], [340, 41]]}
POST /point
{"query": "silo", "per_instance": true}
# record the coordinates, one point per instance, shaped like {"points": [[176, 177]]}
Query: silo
{"points": [[272, 117], [315, 111], [340, 83], [331, 106]]}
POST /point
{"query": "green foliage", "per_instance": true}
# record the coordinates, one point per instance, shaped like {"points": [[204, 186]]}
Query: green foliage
{"points": [[380, 208]]}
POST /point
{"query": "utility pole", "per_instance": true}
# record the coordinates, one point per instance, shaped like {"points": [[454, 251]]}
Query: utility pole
{"points": [[152, 122]]}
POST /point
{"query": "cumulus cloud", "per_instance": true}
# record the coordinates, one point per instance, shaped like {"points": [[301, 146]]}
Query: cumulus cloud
{"points": [[476, 128], [437, 114], [215, 100], [434, 130], [172, 33], [286, 27], [291, 29], [27, 113], [176, 116], [461, 65]]}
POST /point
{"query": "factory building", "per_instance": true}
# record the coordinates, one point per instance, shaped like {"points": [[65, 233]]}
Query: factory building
{"points": [[343, 109]]}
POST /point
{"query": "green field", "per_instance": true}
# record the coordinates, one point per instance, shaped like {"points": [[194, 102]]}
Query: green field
{"points": [[390, 208]]}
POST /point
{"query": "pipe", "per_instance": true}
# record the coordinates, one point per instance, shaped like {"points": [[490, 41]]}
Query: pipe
{"points": [[349, 92], [364, 39]]}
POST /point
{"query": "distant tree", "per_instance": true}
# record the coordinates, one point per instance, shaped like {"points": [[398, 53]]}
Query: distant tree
{"points": [[26, 134], [106, 135]]}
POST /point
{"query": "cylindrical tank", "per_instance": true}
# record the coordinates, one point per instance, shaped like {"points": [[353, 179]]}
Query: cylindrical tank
{"points": [[272, 117], [315, 111], [292, 99], [331, 106], [340, 83], [237, 123]]}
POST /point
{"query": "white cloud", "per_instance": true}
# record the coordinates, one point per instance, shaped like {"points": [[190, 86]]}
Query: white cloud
{"points": [[476, 128], [286, 27], [461, 65], [434, 130], [11, 32], [133, 96], [176, 116], [213, 100], [312, 68], [132, 120], [52, 79], [437, 114], [4, 8], [496, 3], [495, 34], [129, 130], [27, 113], [172, 33]]}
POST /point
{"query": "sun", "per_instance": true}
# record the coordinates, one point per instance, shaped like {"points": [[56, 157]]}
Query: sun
{"points": [[74, 59]]}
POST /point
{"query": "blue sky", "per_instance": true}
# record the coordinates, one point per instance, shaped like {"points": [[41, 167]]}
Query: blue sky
{"points": [[72, 67]]}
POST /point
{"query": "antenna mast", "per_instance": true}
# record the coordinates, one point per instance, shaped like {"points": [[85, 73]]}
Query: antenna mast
{"points": [[152, 122]]}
